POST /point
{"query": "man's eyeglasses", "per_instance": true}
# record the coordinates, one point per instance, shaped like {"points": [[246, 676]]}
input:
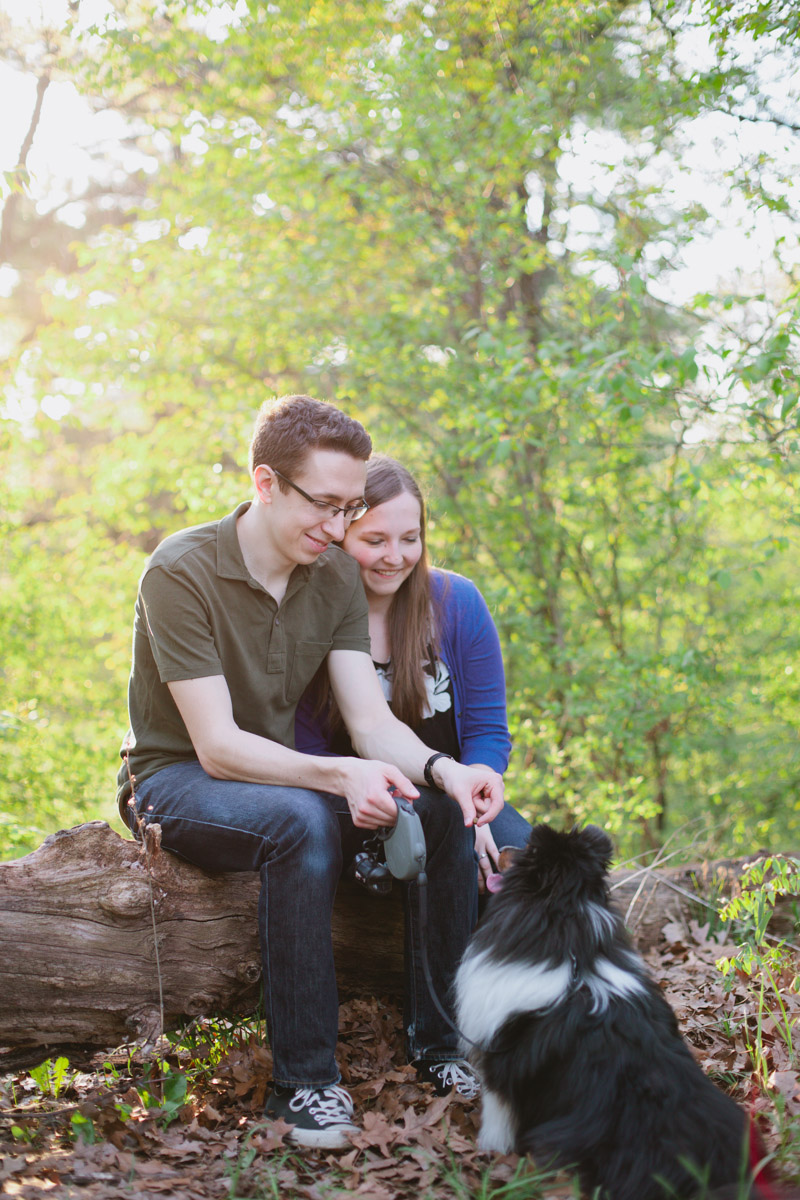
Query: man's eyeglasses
{"points": [[327, 511]]}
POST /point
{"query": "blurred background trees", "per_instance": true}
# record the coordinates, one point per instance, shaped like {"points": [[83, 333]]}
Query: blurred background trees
{"points": [[478, 227]]}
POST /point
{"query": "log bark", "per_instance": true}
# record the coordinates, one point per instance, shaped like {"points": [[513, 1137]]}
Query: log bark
{"points": [[78, 954], [82, 970]]}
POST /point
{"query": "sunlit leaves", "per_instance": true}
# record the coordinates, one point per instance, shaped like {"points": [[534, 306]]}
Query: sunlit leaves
{"points": [[455, 219]]}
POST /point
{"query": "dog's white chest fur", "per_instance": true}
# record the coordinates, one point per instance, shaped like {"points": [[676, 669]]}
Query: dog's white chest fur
{"points": [[490, 992]]}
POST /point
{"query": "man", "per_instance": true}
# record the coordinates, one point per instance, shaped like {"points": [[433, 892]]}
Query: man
{"points": [[233, 619]]}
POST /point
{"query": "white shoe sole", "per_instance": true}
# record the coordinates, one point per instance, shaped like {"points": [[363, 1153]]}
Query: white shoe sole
{"points": [[337, 1137]]}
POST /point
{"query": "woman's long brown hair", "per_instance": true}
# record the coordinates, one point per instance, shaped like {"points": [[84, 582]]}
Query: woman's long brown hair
{"points": [[413, 613], [412, 617]]}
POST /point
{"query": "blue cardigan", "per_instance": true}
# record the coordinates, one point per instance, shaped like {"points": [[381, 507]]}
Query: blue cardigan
{"points": [[469, 644]]}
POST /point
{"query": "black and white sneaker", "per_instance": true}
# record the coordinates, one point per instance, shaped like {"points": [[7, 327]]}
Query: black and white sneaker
{"points": [[322, 1117], [454, 1076]]}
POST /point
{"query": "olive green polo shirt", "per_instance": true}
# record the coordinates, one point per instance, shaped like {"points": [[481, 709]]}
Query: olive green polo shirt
{"points": [[199, 612]]}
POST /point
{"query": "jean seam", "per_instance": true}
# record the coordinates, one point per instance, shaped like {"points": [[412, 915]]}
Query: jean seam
{"points": [[267, 944], [154, 819]]}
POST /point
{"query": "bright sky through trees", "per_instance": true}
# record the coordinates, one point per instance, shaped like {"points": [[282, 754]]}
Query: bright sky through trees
{"points": [[735, 241]]}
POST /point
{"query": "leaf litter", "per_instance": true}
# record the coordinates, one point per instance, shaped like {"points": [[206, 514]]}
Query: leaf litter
{"points": [[412, 1143]]}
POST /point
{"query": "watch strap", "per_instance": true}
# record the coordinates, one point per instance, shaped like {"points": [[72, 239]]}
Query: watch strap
{"points": [[428, 773]]}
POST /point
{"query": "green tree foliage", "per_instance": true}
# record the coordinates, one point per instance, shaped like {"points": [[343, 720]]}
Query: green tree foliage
{"points": [[458, 219]]}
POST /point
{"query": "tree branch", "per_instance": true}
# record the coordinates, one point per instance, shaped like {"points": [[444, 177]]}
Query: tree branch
{"points": [[12, 203]]}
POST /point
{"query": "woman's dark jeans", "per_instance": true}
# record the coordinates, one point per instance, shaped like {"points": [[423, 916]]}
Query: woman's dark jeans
{"points": [[299, 840]]}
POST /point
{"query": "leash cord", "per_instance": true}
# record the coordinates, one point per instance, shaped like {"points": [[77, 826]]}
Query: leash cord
{"points": [[422, 888], [422, 892]]}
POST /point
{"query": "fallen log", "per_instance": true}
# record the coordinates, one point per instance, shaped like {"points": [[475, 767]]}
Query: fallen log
{"points": [[103, 942]]}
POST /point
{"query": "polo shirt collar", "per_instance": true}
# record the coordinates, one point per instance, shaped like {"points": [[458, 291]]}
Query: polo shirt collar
{"points": [[230, 560]]}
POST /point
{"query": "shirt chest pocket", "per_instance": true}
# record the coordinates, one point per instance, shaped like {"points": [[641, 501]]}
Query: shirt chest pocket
{"points": [[306, 660]]}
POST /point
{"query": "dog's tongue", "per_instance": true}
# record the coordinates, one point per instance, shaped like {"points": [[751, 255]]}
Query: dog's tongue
{"points": [[494, 882]]}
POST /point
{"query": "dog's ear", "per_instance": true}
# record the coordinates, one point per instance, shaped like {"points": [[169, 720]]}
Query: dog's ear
{"points": [[596, 842], [507, 857], [544, 842]]}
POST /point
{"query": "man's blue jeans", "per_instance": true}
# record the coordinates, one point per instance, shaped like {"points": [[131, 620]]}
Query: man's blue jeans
{"points": [[299, 840]]}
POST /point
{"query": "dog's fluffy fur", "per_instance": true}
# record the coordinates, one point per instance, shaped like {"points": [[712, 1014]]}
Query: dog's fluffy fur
{"points": [[580, 1056]]}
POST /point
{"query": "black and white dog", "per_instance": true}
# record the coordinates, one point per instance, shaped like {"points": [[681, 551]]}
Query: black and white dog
{"points": [[580, 1056]]}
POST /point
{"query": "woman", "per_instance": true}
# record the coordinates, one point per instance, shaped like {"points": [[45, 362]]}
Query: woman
{"points": [[434, 645]]}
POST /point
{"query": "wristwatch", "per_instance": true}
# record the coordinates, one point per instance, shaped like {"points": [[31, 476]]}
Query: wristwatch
{"points": [[428, 773]]}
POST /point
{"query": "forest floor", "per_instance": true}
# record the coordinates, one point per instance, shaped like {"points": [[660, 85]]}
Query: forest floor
{"points": [[109, 1129]]}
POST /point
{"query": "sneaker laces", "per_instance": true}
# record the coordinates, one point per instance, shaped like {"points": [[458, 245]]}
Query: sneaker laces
{"points": [[329, 1106], [453, 1074]]}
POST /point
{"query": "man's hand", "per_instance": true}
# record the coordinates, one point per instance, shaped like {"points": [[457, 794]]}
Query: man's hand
{"points": [[478, 790], [368, 786]]}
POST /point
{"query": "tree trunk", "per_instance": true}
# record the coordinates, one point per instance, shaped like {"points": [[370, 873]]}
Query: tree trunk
{"points": [[80, 969]]}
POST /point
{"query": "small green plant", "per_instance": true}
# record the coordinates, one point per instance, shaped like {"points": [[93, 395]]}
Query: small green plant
{"points": [[268, 1182], [527, 1181], [768, 965], [211, 1037], [710, 906], [120, 1073], [173, 1087], [83, 1128], [762, 883], [236, 1169], [51, 1076], [163, 1097], [22, 1133], [786, 1132]]}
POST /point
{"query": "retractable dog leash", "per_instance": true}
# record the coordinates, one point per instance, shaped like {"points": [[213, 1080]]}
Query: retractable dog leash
{"points": [[406, 857]]}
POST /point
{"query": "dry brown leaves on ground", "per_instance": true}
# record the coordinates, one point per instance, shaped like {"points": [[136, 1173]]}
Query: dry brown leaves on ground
{"points": [[739, 1034], [413, 1144]]}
